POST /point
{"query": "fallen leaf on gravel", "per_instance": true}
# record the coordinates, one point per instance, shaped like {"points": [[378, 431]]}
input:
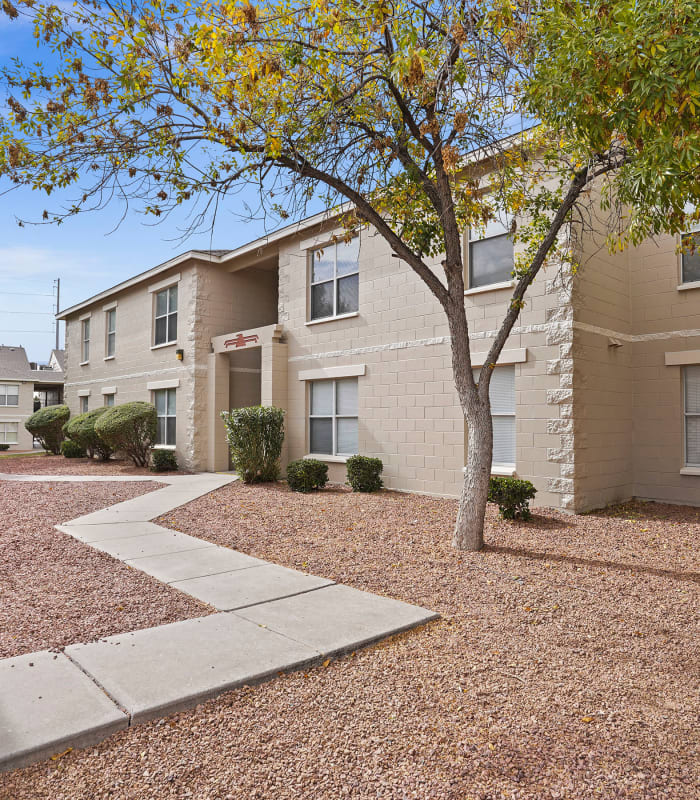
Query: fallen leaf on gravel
{"points": [[586, 719], [326, 662], [60, 755]]}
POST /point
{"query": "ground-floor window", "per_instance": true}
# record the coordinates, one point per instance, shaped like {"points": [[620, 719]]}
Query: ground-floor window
{"points": [[333, 421], [83, 404], [502, 397], [8, 432], [691, 408], [164, 400], [109, 400]]}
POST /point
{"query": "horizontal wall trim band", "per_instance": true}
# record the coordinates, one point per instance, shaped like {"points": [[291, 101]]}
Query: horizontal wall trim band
{"points": [[351, 371], [133, 375], [250, 370], [546, 327]]}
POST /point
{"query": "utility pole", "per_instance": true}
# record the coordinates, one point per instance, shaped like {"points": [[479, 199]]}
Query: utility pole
{"points": [[57, 286]]}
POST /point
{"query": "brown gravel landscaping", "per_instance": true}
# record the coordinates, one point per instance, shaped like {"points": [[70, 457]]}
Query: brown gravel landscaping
{"points": [[58, 465], [565, 664], [54, 590]]}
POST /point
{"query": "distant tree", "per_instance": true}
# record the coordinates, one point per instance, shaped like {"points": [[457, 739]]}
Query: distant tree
{"points": [[409, 112]]}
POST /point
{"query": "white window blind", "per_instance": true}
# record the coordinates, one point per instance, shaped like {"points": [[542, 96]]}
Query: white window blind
{"points": [[502, 397], [691, 395]]}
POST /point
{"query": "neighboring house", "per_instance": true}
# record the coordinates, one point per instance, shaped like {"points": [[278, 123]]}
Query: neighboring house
{"points": [[596, 397], [26, 387]]}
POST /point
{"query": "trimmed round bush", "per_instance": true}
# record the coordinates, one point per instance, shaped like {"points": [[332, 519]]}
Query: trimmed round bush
{"points": [[364, 472], [163, 460], [513, 496], [306, 475], [81, 430], [71, 449], [255, 436], [46, 425], [129, 428]]}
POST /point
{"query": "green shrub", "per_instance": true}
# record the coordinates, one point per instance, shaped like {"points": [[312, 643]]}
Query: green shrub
{"points": [[255, 437], [513, 496], [163, 460], [4, 446], [71, 449], [130, 428], [81, 429], [364, 472], [46, 425], [306, 474]]}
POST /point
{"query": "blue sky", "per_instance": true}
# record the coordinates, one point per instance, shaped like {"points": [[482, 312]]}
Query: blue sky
{"points": [[85, 252]]}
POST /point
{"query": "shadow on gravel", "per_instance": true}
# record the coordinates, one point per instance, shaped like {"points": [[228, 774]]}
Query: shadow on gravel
{"points": [[693, 577]]}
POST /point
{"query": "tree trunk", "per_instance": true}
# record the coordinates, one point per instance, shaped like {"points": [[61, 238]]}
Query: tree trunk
{"points": [[469, 529]]}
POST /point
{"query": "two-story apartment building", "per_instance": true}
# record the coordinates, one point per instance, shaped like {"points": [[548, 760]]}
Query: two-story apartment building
{"points": [[25, 387], [596, 397]]}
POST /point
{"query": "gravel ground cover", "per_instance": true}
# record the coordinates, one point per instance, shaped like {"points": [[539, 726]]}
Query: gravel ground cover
{"points": [[58, 465], [565, 665], [54, 590]]}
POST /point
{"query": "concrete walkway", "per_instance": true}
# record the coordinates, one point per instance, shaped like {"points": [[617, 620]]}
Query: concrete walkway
{"points": [[270, 619]]}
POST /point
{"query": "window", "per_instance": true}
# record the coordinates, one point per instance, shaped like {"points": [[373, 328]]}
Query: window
{"points": [[335, 279], [502, 397], [85, 350], [333, 417], [166, 316], [490, 255], [691, 409], [165, 409], [110, 339], [8, 432], [83, 404], [690, 255], [9, 394], [109, 400]]}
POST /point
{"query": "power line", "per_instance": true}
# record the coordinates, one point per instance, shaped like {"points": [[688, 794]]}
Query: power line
{"points": [[8, 331], [29, 294], [46, 313]]}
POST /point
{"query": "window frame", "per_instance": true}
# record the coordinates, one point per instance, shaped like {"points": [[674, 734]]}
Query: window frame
{"points": [[334, 280], [6, 394], [110, 334], [168, 314], [84, 404], [470, 239], [498, 467], [107, 397], [334, 416], [166, 416], [3, 432], [686, 414], [85, 340]]}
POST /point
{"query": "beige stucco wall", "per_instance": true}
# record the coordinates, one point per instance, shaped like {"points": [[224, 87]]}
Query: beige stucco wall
{"points": [[628, 313], [136, 362], [409, 415], [20, 413]]}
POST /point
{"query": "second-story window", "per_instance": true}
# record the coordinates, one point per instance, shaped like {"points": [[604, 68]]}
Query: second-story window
{"points": [[690, 256], [111, 334], [166, 316], [85, 346], [335, 279], [490, 255], [9, 394]]}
